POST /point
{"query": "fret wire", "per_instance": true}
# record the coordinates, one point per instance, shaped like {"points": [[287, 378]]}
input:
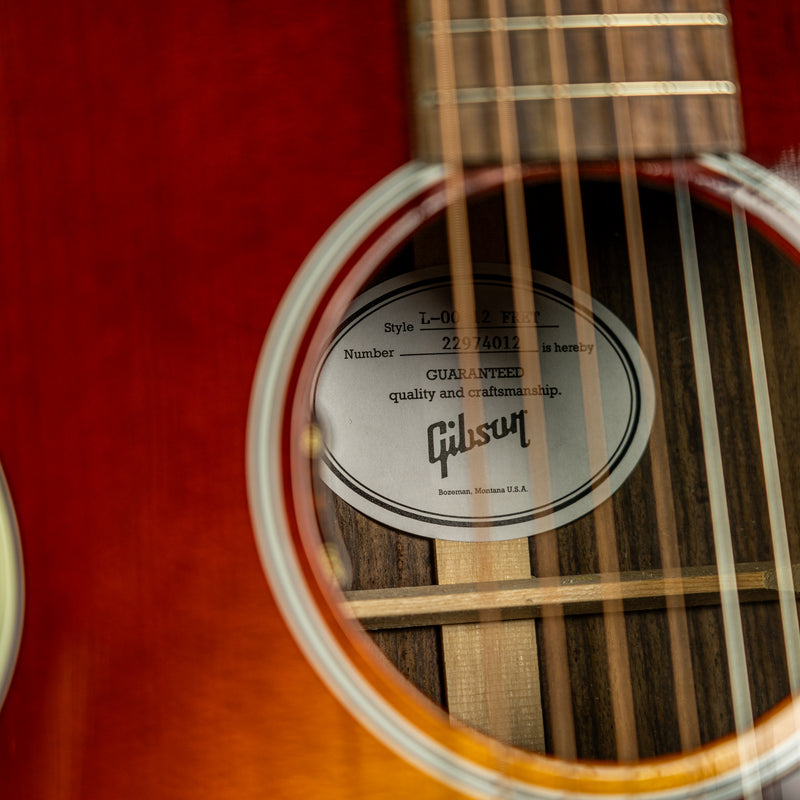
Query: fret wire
{"points": [[584, 91], [582, 21]]}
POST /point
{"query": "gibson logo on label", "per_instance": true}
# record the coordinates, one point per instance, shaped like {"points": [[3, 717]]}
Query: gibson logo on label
{"points": [[441, 445]]}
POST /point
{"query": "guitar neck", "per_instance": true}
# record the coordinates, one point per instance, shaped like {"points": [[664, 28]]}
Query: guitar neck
{"points": [[672, 63]]}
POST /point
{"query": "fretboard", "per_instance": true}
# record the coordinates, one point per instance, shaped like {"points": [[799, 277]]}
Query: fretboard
{"points": [[670, 60]]}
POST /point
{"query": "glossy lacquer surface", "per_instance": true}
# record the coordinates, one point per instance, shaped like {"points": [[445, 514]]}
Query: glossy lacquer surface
{"points": [[164, 169]]}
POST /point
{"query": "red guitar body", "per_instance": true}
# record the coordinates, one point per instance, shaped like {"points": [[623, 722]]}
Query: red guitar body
{"points": [[164, 169]]}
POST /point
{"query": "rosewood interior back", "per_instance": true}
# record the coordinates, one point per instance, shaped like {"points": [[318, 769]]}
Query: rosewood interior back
{"points": [[384, 558], [165, 167]]}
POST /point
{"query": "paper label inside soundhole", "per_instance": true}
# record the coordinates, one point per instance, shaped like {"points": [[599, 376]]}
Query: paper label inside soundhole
{"points": [[391, 393]]}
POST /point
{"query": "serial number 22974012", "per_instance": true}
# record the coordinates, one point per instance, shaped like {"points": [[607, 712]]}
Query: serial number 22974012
{"points": [[485, 342]]}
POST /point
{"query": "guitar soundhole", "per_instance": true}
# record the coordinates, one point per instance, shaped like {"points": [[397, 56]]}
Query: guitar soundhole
{"points": [[380, 557]]}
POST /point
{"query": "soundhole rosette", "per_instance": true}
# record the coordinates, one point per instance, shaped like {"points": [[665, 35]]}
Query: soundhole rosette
{"points": [[281, 483], [11, 589]]}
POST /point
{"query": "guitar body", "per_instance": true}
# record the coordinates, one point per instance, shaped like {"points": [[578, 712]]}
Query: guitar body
{"points": [[164, 170]]}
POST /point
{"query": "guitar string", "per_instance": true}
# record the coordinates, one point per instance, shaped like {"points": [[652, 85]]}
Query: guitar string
{"points": [[553, 626], [617, 654], [779, 532], [784, 572], [750, 777], [787, 600], [485, 636], [769, 456], [720, 521], [666, 526]]}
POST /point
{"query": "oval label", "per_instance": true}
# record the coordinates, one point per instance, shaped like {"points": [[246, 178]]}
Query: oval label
{"points": [[391, 392]]}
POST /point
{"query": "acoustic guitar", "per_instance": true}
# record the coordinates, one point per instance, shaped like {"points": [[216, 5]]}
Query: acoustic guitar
{"points": [[166, 168]]}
